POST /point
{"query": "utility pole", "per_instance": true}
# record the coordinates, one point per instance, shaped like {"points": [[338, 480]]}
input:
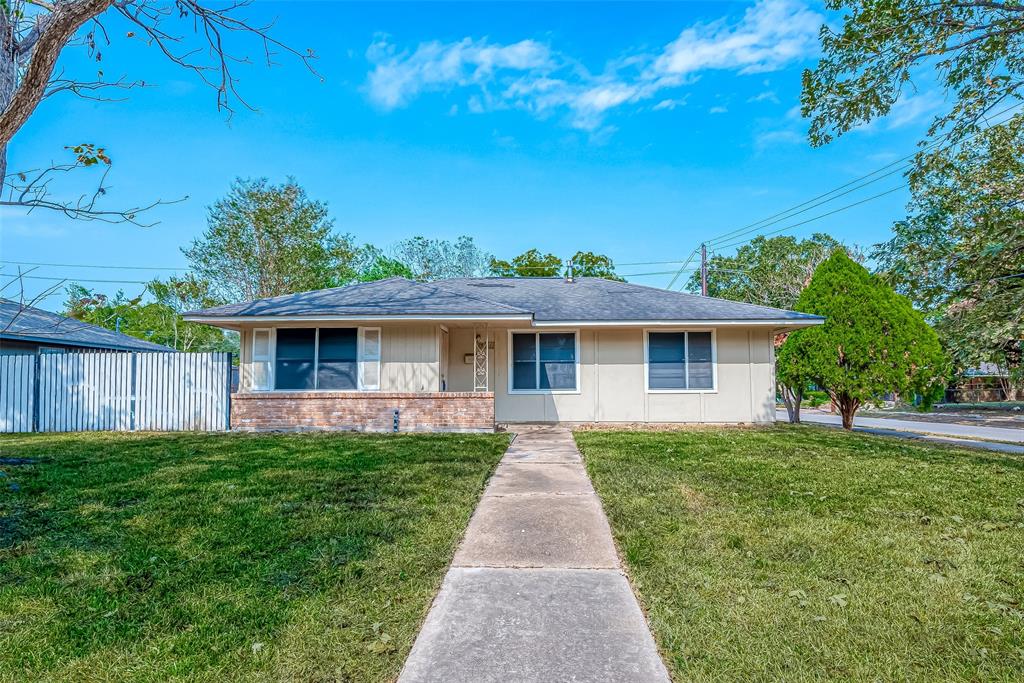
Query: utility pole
{"points": [[703, 269]]}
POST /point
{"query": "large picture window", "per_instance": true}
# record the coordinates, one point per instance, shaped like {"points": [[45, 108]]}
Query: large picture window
{"points": [[680, 361], [327, 358], [543, 361]]}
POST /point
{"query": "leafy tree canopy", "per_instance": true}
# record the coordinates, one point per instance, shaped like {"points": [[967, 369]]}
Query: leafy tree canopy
{"points": [[589, 264], [959, 255], [533, 263], [872, 342], [158, 320], [974, 49], [265, 240], [530, 263], [768, 271], [435, 259]]}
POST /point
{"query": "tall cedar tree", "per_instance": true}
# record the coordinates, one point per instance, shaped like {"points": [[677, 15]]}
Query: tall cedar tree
{"points": [[872, 342]]}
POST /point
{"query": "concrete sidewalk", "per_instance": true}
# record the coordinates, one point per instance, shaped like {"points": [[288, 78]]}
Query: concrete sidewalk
{"points": [[535, 592]]}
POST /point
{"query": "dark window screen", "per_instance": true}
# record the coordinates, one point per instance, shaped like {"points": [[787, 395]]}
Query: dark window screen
{"points": [[666, 360], [558, 361], [524, 361], [699, 365], [295, 358], [337, 367]]}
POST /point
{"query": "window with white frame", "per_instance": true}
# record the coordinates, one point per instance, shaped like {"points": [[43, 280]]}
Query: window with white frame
{"points": [[543, 361], [680, 361], [338, 358]]}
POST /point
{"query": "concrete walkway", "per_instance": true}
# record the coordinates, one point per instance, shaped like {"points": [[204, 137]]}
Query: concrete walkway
{"points": [[535, 592]]}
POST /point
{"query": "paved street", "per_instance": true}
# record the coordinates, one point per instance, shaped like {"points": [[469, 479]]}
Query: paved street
{"points": [[535, 592], [955, 434]]}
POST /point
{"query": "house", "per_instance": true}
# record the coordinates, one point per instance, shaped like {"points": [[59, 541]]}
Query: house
{"points": [[28, 330], [465, 354]]}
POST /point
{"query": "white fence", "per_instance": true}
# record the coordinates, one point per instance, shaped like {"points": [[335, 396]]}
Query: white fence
{"points": [[77, 392]]}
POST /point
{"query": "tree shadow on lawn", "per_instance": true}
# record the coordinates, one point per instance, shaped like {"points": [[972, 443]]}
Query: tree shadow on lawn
{"points": [[202, 546]]}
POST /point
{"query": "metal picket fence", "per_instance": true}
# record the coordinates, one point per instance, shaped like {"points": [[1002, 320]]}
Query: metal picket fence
{"points": [[78, 392]]}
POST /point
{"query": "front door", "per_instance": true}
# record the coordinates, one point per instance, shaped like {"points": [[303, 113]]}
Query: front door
{"points": [[444, 359]]}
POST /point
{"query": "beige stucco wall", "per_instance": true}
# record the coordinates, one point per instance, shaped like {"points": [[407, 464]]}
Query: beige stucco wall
{"points": [[409, 359], [612, 381]]}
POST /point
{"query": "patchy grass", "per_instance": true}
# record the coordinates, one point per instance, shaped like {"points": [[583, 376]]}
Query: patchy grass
{"points": [[226, 557], [800, 554]]}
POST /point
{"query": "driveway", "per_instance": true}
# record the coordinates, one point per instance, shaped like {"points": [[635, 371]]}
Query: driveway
{"points": [[955, 434]]}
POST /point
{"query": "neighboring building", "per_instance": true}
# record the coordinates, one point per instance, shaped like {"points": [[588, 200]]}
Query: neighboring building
{"points": [[28, 330], [464, 354]]}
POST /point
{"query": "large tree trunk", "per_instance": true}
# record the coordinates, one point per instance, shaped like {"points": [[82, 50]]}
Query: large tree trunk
{"points": [[792, 400], [847, 409], [8, 75]]}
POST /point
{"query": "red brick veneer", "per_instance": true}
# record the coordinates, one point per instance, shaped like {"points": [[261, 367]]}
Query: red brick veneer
{"points": [[371, 411]]}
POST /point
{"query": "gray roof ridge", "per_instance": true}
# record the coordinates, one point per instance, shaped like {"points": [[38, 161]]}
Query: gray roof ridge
{"points": [[67, 325], [716, 298], [351, 285], [489, 302]]}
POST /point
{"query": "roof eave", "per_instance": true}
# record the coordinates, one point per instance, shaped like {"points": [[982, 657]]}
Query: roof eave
{"points": [[727, 322], [236, 320]]}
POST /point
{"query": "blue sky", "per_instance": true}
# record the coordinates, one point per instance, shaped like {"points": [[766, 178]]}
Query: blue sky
{"points": [[635, 130]]}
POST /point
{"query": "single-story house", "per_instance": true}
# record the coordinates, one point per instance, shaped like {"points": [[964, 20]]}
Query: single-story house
{"points": [[469, 353], [25, 330]]}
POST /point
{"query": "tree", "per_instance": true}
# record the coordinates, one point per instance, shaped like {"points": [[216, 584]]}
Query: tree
{"points": [[157, 321], [533, 263], [769, 271], [530, 263], [773, 271], [374, 265], [34, 33], [434, 259], [959, 255], [974, 48], [872, 342], [264, 240], [589, 264], [793, 372]]}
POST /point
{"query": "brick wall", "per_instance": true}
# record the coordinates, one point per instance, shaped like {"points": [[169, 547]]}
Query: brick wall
{"points": [[369, 411]]}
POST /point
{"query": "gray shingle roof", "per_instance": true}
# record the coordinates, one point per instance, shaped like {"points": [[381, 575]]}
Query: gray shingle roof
{"points": [[36, 325], [545, 299]]}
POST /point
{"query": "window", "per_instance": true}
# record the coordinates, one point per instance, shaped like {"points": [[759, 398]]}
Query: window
{"points": [[680, 361], [328, 358], [296, 359], [336, 366], [543, 361]]}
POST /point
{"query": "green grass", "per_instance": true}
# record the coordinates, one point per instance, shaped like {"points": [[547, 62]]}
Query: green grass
{"points": [[226, 557], [800, 554]]}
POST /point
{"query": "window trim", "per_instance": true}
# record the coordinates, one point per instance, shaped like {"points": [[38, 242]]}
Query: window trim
{"points": [[714, 359], [534, 331], [271, 356], [316, 360]]}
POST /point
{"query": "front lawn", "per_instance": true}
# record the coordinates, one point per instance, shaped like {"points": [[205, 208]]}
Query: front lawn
{"points": [[801, 553], [226, 557]]}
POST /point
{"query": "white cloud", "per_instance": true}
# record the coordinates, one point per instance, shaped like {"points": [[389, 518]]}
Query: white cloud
{"points": [[771, 34], [766, 96], [777, 137], [718, 110], [670, 104], [912, 109], [533, 77]]}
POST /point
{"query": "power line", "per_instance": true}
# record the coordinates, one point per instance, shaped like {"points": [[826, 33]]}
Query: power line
{"points": [[75, 279], [835, 192], [88, 265], [819, 216]]}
